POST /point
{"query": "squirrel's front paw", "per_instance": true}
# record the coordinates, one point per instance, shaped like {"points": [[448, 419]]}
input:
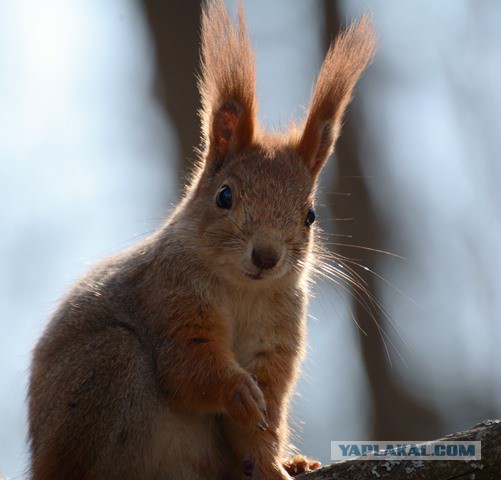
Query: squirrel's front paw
{"points": [[245, 401]]}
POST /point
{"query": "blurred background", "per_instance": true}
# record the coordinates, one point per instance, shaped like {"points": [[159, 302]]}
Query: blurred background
{"points": [[97, 128]]}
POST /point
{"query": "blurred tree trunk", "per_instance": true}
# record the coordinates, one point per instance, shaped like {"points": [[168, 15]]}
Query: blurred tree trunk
{"points": [[175, 29], [396, 414]]}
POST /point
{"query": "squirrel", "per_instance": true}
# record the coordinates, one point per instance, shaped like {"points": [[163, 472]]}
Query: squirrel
{"points": [[177, 358]]}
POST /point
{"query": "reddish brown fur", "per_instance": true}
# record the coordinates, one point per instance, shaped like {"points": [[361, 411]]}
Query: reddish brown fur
{"points": [[177, 358], [346, 60]]}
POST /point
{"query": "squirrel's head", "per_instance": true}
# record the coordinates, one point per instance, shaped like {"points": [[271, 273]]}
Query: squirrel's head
{"points": [[250, 207]]}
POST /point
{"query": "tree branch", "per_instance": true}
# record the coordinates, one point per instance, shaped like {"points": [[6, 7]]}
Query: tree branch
{"points": [[488, 468]]}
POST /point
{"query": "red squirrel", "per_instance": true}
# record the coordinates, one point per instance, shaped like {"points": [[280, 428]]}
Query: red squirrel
{"points": [[177, 358]]}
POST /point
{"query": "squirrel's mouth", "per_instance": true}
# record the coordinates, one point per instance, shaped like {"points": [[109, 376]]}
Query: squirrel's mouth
{"points": [[263, 275], [254, 276]]}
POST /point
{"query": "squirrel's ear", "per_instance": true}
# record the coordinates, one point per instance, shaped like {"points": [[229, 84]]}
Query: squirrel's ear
{"points": [[227, 84], [345, 62]]}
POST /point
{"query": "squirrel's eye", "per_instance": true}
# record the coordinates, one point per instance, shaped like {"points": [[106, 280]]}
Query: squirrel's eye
{"points": [[223, 199], [310, 218]]}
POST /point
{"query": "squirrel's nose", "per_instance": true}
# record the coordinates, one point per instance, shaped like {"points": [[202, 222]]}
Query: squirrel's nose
{"points": [[264, 258]]}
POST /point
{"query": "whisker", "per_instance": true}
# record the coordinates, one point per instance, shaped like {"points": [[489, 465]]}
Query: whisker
{"points": [[336, 244], [337, 269]]}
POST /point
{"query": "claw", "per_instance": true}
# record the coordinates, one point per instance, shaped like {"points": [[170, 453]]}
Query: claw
{"points": [[263, 425]]}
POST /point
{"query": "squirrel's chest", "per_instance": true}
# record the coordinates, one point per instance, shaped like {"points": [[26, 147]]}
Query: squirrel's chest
{"points": [[260, 322]]}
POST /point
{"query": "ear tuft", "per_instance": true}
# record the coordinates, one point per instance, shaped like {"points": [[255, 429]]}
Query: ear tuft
{"points": [[227, 83], [345, 62]]}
